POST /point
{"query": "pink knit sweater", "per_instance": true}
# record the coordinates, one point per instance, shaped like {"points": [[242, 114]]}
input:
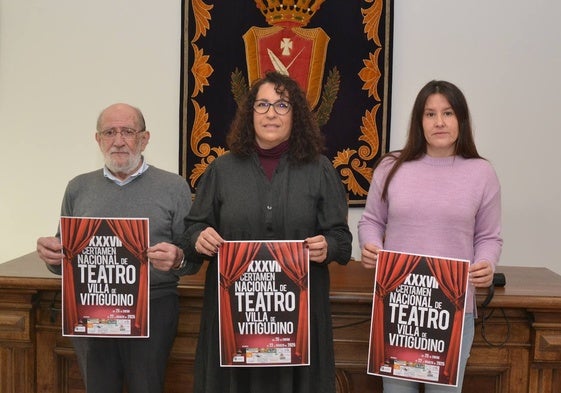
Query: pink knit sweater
{"points": [[448, 207]]}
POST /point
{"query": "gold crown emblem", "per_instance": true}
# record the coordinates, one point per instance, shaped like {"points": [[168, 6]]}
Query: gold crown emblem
{"points": [[293, 11]]}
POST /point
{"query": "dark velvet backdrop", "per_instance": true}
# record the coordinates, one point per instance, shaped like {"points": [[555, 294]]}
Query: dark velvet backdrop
{"points": [[340, 51]]}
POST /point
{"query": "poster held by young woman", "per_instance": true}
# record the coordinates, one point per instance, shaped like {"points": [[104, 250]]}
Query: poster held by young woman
{"points": [[417, 317]]}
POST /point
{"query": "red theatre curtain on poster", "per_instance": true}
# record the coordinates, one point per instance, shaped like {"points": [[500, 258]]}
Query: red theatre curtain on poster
{"points": [[264, 303], [105, 277], [417, 317]]}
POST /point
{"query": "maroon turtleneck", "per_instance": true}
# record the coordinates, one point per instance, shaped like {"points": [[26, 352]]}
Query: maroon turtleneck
{"points": [[270, 158]]}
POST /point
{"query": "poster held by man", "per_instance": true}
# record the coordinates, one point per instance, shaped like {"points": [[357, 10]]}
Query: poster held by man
{"points": [[105, 277]]}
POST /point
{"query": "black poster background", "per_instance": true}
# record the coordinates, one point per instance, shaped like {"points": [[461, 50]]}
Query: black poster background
{"points": [[353, 143]]}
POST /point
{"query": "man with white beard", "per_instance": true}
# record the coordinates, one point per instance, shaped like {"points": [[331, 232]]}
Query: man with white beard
{"points": [[127, 187]]}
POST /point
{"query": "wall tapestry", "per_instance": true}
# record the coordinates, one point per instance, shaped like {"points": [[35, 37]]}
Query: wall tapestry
{"points": [[338, 50]]}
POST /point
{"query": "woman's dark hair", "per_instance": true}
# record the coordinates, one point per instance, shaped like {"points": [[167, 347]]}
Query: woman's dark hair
{"points": [[306, 142], [416, 145]]}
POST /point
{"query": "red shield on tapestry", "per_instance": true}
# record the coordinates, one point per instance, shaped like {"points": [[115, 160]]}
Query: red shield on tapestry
{"points": [[294, 51]]}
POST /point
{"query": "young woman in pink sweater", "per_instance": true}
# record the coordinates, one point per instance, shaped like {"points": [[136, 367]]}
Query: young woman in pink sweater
{"points": [[437, 196]]}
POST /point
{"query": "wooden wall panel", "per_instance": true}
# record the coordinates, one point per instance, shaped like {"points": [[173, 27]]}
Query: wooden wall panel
{"points": [[517, 346]]}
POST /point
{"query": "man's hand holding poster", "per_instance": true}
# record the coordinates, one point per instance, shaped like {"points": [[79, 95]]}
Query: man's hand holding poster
{"points": [[417, 317], [263, 303], [105, 277]]}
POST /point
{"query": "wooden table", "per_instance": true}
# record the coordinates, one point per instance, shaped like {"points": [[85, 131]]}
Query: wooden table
{"points": [[517, 350]]}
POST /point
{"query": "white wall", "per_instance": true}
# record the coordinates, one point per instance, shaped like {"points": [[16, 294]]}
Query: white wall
{"points": [[506, 57], [61, 61]]}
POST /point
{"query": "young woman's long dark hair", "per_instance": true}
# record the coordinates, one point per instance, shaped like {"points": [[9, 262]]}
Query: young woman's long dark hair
{"points": [[306, 142], [416, 145]]}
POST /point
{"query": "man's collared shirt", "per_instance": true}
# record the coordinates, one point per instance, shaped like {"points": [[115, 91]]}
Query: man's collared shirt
{"points": [[107, 173]]}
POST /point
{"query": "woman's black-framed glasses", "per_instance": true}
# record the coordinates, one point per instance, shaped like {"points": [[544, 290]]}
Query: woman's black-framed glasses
{"points": [[281, 107]]}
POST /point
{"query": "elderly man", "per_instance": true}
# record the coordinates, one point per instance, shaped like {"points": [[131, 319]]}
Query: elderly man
{"points": [[128, 187]]}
